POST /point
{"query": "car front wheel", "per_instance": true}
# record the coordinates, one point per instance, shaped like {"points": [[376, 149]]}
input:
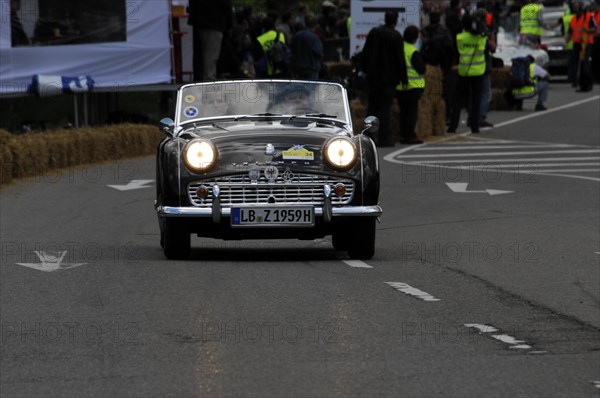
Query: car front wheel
{"points": [[361, 242], [176, 239]]}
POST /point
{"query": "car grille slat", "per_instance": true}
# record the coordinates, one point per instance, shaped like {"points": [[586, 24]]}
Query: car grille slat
{"points": [[303, 189]]}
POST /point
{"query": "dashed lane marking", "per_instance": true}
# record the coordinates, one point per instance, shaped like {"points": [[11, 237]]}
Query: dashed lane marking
{"points": [[513, 343], [356, 264], [412, 291]]}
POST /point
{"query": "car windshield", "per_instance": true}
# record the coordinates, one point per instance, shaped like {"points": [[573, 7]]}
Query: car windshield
{"points": [[262, 98]]}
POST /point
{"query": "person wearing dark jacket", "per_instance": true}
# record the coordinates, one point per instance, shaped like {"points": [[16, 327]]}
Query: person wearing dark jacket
{"points": [[382, 61], [408, 94], [210, 20], [307, 51]]}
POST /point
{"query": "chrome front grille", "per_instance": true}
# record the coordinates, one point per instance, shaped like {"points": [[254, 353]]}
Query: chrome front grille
{"points": [[306, 189]]}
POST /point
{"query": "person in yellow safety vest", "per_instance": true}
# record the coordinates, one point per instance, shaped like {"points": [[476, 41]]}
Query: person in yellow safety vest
{"points": [[265, 68], [531, 23], [538, 77], [573, 56], [408, 94], [472, 45]]}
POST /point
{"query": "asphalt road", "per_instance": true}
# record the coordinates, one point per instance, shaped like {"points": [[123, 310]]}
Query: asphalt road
{"points": [[485, 282]]}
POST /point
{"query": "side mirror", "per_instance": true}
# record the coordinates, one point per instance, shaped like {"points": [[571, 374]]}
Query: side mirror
{"points": [[371, 125], [166, 126]]}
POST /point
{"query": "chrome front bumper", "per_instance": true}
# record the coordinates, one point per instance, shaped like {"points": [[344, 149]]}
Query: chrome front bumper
{"points": [[347, 211], [216, 211]]}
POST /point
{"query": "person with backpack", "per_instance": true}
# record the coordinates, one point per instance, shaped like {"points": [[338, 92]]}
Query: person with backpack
{"points": [[528, 80], [273, 53]]}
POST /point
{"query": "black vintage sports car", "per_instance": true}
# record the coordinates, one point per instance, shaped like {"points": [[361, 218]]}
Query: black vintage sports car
{"points": [[273, 159]]}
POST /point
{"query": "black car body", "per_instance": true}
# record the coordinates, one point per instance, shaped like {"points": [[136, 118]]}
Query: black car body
{"points": [[266, 160]]}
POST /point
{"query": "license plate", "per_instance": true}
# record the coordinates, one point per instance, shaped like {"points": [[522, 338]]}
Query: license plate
{"points": [[272, 216]]}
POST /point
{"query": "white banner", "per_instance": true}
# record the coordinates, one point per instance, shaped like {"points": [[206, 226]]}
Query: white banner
{"points": [[368, 14], [116, 43]]}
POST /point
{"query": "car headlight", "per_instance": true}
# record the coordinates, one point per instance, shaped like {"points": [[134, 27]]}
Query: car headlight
{"points": [[200, 155], [340, 153]]}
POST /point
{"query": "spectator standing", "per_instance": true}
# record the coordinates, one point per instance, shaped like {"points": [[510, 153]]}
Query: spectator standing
{"points": [[328, 20], [472, 45], [382, 60], [307, 51], [438, 54], [453, 15], [531, 23], [264, 66], [582, 31], [596, 46], [486, 20], [209, 19], [573, 56], [408, 95]]}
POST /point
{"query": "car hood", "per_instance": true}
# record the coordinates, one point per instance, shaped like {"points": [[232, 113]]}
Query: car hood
{"points": [[291, 145]]}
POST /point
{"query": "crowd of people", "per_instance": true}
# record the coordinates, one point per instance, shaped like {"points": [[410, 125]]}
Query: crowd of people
{"points": [[455, 46], [236, 43], [459, 52]]}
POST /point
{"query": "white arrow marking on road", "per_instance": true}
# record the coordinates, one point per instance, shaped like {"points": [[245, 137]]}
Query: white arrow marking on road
{"points": [[461, 187], [412, 291], [50, 262], [131, 185], [596, 384]]}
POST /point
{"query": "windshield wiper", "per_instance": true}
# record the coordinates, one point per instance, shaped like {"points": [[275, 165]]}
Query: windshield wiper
{"points": [[310, 115], [320, 115], [267, 114]]}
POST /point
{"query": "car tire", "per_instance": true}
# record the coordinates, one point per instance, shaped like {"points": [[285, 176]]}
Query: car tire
{"points": [[361, 242], [339, 238], [176, 240]]}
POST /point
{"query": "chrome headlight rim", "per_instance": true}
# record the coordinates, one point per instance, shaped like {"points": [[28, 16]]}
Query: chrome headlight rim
{"points": [[334, 165], [204, 166]]}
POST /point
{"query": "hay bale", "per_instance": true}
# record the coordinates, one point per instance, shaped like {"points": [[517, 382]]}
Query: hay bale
{"points": [[500, 77], [37, 153], [432, 108], [499, 102]]}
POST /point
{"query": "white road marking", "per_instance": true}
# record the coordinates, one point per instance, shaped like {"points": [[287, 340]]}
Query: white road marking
{"points": [[479, 145], [596, 384], [51, 262], [505, 338], [412, 291], [558, 164], [461, 187], [482, 328], [544, 113], [514, 343], [356, 264], [532, 161], [131, 185], [570, 176], [453, 155]]}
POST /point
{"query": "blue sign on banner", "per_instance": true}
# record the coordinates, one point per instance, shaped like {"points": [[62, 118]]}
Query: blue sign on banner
{"points": [[45, 85]]}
